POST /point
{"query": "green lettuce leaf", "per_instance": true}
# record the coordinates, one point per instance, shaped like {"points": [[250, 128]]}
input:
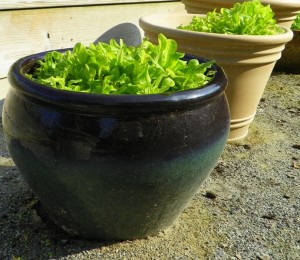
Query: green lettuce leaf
{"points": [[116, 68], [296, 23], [247, 18]]}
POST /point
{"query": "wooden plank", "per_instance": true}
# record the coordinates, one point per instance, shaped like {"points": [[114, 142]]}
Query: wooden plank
{"points": [[23, 4], [24, 32], [4, 86]]}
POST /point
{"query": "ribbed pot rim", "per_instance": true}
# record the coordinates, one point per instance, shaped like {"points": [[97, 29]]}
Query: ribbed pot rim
{"points": [[283, 3], [123, 104], [153, 23]]}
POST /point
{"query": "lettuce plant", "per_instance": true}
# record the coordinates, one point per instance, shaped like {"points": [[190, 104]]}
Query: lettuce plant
{"points": [[120, 69], [296, 23], [247, 18]]}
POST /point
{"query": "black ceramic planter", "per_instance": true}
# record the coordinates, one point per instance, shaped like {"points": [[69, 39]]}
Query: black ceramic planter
{"points": [[112, 166]]}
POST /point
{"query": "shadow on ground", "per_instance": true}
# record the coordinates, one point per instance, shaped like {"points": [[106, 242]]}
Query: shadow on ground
{"points": [[22, 212]]}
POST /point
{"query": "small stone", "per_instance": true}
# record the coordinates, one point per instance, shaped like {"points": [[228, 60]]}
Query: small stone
{"points": [[238, 256], [290, 175], [269, 216], [210, 195], [263, 257], [296, 165], [296, 146], [247, 146]]}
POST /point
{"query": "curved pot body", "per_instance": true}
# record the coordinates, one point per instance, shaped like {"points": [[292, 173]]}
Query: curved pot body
{"points": [[290, 60], [285, 10], [112, 166], [248, 61]]}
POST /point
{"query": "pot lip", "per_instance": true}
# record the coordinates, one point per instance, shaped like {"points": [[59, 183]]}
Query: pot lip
{"points": [[283, 3], [77, 100], [153, 22], [278, 3]]}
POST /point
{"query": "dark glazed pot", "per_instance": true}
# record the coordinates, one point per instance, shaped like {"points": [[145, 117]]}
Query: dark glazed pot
{"points": [[113, 166]]}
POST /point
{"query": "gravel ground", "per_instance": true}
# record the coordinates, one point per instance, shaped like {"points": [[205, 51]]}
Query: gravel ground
{"points": [[247, 209]]}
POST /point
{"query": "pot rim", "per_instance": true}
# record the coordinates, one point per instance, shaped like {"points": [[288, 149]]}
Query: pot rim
{"points": [[139, 103], [283, 3], [153, 23], [277, 3]]}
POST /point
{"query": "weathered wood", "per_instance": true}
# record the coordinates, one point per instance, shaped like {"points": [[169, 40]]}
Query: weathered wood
{"points": [[24, 32], [23, 4], [4, 86]]}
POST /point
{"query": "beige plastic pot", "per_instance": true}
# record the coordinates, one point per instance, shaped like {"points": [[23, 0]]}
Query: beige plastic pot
{"points": [[285, 10], [290, 60], [247, 60]]}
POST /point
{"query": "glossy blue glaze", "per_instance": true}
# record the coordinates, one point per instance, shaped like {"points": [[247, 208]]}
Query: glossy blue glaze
{"points": [[114, 167]]}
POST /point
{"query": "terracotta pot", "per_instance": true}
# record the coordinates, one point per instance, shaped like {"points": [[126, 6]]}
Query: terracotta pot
{"points": [[290, 59], [285, 10], [247, 60], [113, 166]]}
